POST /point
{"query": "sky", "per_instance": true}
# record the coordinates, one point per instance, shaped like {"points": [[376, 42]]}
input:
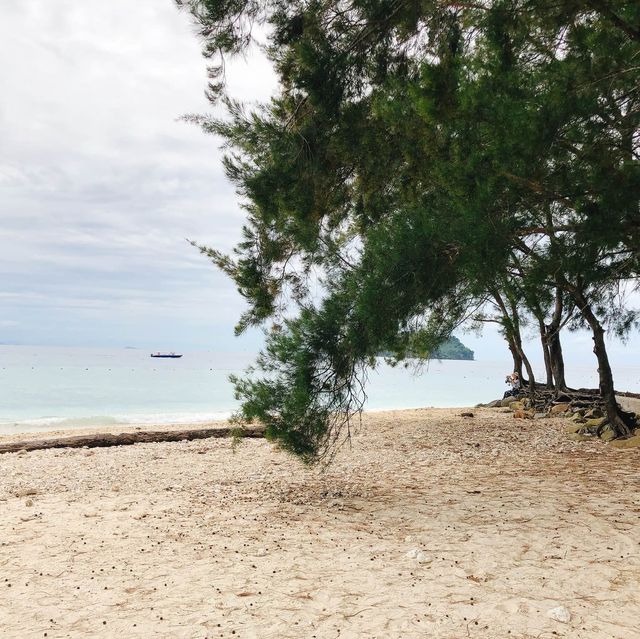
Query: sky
{"points": [[101, 183]]}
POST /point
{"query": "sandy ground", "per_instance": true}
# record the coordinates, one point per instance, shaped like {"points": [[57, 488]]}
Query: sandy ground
{"points": [[194, 539]]}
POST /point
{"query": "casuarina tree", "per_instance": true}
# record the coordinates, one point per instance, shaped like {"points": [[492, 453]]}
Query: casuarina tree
{"points": [[415, 152]]}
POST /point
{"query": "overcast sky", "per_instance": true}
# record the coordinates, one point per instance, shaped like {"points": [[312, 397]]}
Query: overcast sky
{"points": [[100, 183]]}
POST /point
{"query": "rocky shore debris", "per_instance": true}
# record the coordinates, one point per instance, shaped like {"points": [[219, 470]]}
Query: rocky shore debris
{"points": [[583, 409]]}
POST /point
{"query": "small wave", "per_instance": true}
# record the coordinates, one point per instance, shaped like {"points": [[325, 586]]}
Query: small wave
{"points": [[173, 418], [54, 423], [71, 423]]}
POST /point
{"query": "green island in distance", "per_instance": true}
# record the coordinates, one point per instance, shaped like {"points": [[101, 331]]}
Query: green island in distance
{"points": [[453, 348]]}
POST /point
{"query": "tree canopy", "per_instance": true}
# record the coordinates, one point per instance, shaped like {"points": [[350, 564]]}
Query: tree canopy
{"points": [[420, 161]]}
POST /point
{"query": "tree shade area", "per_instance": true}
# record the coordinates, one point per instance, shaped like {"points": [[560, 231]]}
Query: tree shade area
{"points": [[424, 165]]}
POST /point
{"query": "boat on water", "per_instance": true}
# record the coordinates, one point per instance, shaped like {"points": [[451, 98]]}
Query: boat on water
{"points": [[167, 355]]}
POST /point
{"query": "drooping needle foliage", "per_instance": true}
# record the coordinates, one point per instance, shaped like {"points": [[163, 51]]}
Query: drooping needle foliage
{"points": [[420, 161]]}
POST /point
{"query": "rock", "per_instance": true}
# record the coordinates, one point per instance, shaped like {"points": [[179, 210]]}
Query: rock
{"points": [[523, 414], [466, 414], [572, 428], [560, 614], [28, 503], [577, 417], [593, 426], [419, 555], [606, 433], [507, 401], [517, 405], [496, 403], [540, 415], [593, 413], [556, 409], [630, 442]]}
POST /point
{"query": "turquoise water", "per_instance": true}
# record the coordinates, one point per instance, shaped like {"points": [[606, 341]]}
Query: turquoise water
{"points": [[45, 388]]}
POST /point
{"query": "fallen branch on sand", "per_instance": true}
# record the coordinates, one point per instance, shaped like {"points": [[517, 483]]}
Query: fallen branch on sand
{"points": [[99, 440]]}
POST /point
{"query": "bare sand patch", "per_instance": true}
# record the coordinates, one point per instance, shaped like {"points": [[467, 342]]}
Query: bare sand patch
{"points": [[196, 539]]}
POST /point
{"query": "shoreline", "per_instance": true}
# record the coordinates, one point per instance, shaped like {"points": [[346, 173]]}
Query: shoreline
{"points": [[630, 403], [115, 429]]}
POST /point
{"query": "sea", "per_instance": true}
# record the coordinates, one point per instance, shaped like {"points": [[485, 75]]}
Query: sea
{"points": [[51, 388]]}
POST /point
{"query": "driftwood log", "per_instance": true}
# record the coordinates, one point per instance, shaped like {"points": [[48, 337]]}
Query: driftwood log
{"points": [[98, 440]]}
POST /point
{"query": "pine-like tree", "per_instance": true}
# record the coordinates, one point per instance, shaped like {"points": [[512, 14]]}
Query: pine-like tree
{"points": [[414, 153]]}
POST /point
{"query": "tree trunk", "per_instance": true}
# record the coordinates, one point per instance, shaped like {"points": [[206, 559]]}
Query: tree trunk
{"points": [[529, 369], [557, 360], [515, 320], [517, 359], [552, 332], [511, 323], [547, 356], [607, 390]]}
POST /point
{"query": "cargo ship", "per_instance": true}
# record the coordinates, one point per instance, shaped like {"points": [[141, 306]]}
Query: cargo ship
{"points": [[169, 355]]}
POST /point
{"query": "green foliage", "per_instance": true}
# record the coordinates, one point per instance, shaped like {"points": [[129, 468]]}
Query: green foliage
{"points": [[420, 159]]}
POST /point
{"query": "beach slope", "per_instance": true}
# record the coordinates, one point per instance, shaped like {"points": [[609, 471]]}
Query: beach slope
{"points": [[430, 525]]}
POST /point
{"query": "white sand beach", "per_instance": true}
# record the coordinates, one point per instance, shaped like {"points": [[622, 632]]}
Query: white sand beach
{"points": [[508, 518]]}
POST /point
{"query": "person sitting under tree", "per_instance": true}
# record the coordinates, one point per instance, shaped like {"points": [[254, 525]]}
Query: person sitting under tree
{"points": [[514, 380]]}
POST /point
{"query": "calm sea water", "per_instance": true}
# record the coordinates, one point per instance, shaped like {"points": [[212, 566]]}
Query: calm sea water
{"points": [[45, 388]]}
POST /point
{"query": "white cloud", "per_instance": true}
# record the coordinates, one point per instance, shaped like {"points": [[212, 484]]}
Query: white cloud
{"points": [[100, 183]]}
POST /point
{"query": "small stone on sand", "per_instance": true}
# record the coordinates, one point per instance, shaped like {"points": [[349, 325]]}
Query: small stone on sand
{"points": [[560, 614]]}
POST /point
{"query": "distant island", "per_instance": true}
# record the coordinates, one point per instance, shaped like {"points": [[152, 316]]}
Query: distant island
{"points": [[453, 348]]}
